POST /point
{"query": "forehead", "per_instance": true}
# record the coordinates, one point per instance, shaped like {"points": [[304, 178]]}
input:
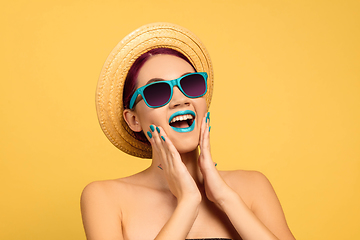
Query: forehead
{"points": [[162, 66]]}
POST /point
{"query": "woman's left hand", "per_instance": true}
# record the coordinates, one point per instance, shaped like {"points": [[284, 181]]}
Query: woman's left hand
{"points": [[215, 187]]}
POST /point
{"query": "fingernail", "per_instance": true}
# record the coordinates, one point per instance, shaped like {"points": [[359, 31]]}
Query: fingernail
{"points": [[209, 128], [160, 167], [207, 117], [163, 138], [149, 134], [157, 129], [152, 128], [215, 164]]}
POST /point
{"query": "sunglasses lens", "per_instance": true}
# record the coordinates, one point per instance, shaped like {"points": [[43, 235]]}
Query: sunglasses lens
{"points": [[157, 94], [193, 85]]}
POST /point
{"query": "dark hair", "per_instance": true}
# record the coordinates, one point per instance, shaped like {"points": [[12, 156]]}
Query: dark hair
{"points": [[130, 85]]}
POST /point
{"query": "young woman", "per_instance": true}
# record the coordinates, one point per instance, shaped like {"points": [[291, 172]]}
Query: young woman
{"points": [[152, 101]]}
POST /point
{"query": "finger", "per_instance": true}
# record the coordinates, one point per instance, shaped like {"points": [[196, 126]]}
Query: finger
{"points": [[169, 149], [205, 160], [201, 141], [205, 129], [206, 139], [202, 128], [170, 154], [157, 145]]}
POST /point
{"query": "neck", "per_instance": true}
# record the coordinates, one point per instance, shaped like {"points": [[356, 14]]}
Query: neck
{"points": [[189, 159]]}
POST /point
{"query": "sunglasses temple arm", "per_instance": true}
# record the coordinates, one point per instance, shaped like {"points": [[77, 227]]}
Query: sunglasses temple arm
{"points": [[133, 99]]}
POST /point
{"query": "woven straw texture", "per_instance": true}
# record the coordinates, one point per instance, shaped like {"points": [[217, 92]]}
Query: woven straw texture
{"points": [[110, 86]]}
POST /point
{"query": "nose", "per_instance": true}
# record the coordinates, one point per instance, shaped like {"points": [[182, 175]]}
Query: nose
{"points": [[178, 99]]}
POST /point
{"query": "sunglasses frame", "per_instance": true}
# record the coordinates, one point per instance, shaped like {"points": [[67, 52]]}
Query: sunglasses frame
{"points": [[172, 84]]}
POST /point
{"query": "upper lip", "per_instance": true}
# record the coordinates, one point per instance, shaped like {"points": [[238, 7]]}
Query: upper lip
{"points": [[178, 113]]}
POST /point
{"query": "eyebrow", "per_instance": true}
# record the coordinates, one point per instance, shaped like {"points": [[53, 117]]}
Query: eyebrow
{"points": [[161, 79]]}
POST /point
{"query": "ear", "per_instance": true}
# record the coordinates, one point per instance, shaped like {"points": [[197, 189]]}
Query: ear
{"points": [[132, 120]]}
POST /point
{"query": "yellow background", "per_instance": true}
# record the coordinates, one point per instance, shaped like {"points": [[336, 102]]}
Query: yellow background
{"points": [[286, 102]]}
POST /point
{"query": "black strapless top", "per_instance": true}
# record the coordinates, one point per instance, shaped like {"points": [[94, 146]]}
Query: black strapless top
{"points": [[209, 239]]}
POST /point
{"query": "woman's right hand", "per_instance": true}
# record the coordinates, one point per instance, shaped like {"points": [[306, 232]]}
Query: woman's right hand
{"points": [[181, 183]]}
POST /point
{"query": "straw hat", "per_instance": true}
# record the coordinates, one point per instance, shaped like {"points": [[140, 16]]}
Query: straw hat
{"points": [[109, 93]]}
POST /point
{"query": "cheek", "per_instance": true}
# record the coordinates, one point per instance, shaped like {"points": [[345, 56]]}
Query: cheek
{"points": [[143, 112], [202, 107], [150, 116]]}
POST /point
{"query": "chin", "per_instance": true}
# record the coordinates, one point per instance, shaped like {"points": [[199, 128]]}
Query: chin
{"points": [[187, 150], [186, 145]]}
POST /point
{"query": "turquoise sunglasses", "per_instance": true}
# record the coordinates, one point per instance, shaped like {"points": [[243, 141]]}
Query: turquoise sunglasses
{"points": [[158, 94]]}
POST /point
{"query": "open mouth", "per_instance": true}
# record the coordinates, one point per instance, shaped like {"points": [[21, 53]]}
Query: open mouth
{"points": [[182, 121]]}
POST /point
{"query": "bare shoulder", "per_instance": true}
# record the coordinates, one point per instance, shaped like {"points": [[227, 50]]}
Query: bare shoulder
{"points": [[103, 190], [248, 184], [101, 208], [110, 191], [257, 192], [244, 176]]}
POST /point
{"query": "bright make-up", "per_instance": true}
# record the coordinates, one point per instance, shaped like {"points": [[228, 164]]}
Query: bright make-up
{"points": [[182, 121]]}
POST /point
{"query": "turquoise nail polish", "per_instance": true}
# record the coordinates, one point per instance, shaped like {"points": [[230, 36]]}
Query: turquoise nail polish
{"points": [[152, 128], [209, 128], [149, 134], [207, 117], [163, 138], [157, 129], [215, 164]]}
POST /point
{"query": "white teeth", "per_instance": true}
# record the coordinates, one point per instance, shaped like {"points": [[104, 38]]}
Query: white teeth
{"points": [[182, 118]]}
